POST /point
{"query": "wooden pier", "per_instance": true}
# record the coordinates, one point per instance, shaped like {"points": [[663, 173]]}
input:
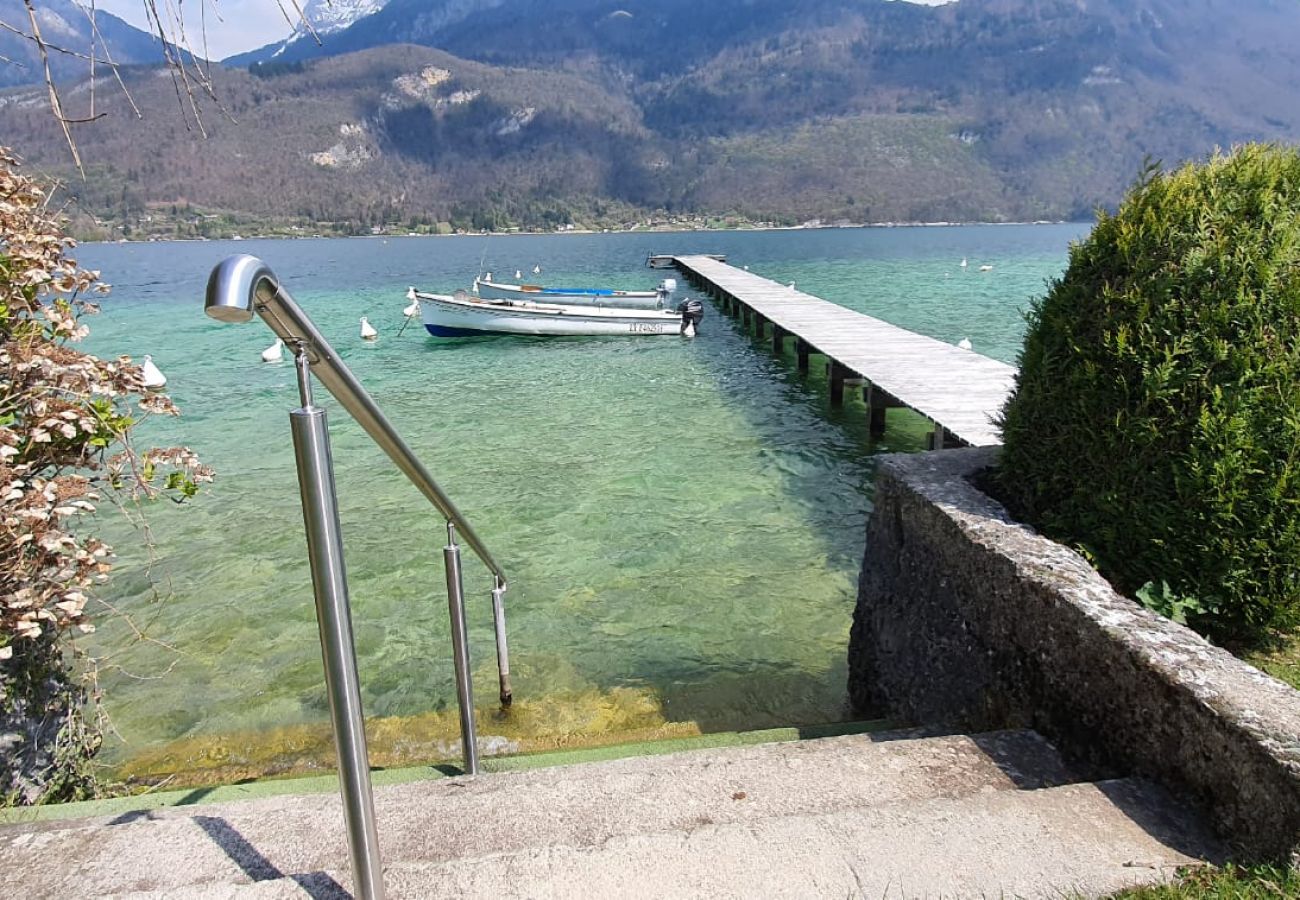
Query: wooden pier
{"points": [[959, 391]]}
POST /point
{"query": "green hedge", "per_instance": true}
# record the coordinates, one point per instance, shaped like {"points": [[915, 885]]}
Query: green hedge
{"points": [[1156, 420]]}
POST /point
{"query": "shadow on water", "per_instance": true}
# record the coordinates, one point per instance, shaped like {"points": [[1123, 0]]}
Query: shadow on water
{"points": [[819, 450], [821, 458], [762, 695]]}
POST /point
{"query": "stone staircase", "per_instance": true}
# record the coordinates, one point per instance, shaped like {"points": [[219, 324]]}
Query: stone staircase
{"points": [[893, 814]]}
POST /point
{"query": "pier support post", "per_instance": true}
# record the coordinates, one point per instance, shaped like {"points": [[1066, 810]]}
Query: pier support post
{"points": [[744, 317], [801, 350], [778, 339], [936, 439], [877, 403], [837, 383], [760, 324]]}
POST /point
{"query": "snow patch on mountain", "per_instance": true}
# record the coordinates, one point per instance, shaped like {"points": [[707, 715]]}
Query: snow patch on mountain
{"points": [[327, 16]]}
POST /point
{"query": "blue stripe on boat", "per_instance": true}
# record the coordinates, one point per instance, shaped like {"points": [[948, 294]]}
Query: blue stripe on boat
{"points": [[445, 331]]}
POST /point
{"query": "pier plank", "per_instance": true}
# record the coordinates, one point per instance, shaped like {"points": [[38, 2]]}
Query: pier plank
{"points": [[959, 390]]}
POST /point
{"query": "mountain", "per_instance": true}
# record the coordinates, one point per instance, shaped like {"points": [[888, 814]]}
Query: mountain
{"points": [[544, 112], [420, 23], [398, 134], [68, 25], [330, 16]]}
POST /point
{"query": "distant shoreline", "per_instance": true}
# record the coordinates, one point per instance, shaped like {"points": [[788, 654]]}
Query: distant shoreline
{"points": [[580, 231]]}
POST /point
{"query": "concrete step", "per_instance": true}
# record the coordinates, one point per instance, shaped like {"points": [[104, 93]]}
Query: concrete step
{"points": [[1084, 840], [781, 819]]}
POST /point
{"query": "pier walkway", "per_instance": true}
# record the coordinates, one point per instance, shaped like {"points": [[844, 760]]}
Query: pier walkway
{"points": [[958, 390]]}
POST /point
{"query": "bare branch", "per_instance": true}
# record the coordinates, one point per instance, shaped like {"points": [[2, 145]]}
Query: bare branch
{"points": [[188, 70], [302, 17], [108, 57], [84, 119], [55, 105], [40, 41]]}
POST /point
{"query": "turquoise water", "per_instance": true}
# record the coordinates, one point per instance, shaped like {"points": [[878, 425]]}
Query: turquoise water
{"points": [[682, 521]]}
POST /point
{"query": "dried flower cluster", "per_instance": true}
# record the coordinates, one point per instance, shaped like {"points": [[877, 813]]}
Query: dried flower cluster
{"points": [[65, 423]]}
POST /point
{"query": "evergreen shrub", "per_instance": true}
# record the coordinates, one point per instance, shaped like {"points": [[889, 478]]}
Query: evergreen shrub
{"points": [[1155, 423]]}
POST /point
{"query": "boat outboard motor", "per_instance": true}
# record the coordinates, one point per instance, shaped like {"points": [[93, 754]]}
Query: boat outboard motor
{"points": [[692, 315]]}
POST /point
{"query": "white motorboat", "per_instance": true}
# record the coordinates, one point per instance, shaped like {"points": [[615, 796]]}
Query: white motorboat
{"points": [[464, 314], [487, 289]]}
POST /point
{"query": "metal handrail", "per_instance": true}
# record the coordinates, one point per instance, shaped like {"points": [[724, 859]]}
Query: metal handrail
{"points": [[238, 287], [235, 282]]}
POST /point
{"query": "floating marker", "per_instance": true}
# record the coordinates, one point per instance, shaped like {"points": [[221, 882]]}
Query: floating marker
{"points": [[964, 344], [152, 377], [986, 268], [537, 270], [963, 262], [368, 332], [274, 353]]}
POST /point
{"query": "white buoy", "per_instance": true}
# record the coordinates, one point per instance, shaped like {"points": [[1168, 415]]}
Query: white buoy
{"points": [[368, 332], [274, 353], [519, 276], [413, 310], [963, 262], [153, 379], [689, 330], [986, 268], [964, 344], [537, 270], [790, 285]]}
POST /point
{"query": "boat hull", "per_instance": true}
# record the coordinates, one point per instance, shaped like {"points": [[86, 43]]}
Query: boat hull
{"points": [[445, 316], [491, 290]]}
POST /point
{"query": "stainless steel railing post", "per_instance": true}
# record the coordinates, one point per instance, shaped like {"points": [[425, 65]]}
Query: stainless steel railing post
{"points": [[460, 649], [503, 649], [311, 449]]}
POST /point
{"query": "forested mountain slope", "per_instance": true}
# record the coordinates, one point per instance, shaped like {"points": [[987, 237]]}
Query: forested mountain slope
{"points": [[541, 112]]}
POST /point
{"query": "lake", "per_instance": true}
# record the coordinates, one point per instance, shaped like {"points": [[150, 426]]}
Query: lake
{"points": [[682, 521]]}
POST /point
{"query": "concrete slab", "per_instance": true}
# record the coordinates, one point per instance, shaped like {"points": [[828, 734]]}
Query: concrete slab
{"points": [[1073, 841], [714, 822]]}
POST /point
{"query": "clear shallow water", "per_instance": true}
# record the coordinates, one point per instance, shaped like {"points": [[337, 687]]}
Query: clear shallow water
{"points": [[682, 521]]}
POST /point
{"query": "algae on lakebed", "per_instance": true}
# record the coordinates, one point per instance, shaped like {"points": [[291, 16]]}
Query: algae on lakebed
{"points": [[586, 719]]}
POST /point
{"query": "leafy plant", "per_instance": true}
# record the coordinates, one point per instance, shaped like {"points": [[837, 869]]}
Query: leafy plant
{"points": [[1231, 882], [65, 424], [1162, 599], [1156, 416]]}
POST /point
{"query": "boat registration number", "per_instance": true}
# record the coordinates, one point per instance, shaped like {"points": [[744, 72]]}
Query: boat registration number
{"points": [[647, 327]]}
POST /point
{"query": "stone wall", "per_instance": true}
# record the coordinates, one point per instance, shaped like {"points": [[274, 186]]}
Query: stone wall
{"points": [[967, 619]]}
